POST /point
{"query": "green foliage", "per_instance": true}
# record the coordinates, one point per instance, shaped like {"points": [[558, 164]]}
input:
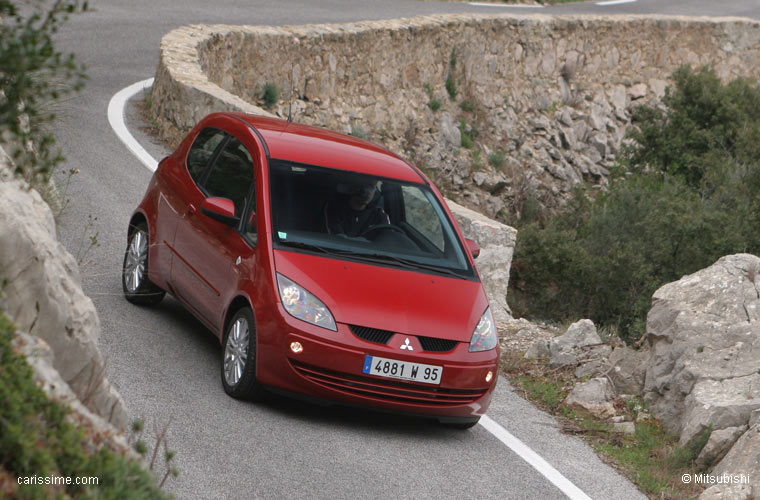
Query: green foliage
{"points": [[451, 87], [270, 94], [548, 392], [468, 135], [435, 104], [497, 158], [467, 105], [477, 160], [707, 125], [34, 76], [36, 439], [684, 197]]}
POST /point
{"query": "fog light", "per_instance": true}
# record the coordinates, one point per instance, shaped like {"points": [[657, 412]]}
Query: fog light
{"points": [[489, 376], [297, 348]]}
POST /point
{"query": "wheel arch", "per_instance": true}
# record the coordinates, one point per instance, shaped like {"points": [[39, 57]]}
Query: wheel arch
{"points": [[237, 303], [137, 218]]}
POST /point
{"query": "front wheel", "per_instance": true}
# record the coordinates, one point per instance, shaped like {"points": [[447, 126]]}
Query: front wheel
{"points": [[239, 357], [137, 287]]}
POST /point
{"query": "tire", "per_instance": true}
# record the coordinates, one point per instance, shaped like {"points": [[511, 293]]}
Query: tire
{"points": [[138, 289], [461, 425], [239, 357]]}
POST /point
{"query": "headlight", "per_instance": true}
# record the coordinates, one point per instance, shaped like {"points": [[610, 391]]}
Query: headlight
{"points": [[302, 305], [485, 337]]}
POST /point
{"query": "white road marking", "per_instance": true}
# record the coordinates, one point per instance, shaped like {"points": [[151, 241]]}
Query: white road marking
{"points": [[116, 119], [614, 2], [507, 5], [534, 459]]}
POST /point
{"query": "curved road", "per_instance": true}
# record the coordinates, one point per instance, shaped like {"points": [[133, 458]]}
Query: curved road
{"points": [[166, 365]]}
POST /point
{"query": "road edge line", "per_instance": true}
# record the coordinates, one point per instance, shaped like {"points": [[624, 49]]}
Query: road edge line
{"points": [[116, 119], [533, 459]]}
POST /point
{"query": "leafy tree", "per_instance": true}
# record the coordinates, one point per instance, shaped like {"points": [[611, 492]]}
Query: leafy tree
{"points": [[684, 195], [34, 75]]}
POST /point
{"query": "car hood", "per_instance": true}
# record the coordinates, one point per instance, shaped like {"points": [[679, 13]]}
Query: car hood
{"points": [[388, 298]]}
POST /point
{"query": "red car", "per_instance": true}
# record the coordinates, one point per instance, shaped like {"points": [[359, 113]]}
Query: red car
{"points": [[327, 266]]}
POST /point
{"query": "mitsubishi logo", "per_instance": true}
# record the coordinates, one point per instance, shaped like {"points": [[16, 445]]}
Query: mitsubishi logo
{"points": [[407, 345]]}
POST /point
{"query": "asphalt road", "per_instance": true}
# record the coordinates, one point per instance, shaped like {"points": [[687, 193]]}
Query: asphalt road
{"points": [[166, 365]]}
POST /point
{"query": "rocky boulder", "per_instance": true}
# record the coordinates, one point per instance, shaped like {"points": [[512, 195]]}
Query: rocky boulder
{"points": [[43, 296], [594, 396], [580, 344], [704, 334]]}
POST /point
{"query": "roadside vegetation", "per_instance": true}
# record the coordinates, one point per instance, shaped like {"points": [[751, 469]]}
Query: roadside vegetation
{"points": [[650, 457], [34, 77], [683, 195], [37, 439]]}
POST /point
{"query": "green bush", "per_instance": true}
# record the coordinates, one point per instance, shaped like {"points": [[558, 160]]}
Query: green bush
{"points": [[36, 439], [435, 104], [34, 76], [684, 196], [270, 94]]}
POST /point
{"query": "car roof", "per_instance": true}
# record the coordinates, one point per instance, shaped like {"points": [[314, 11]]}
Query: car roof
{"points": [[318, 146]]}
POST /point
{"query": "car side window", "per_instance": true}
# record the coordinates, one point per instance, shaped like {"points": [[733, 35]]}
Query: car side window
{"points": [[421, 215], [202, 151], [231, 175]]}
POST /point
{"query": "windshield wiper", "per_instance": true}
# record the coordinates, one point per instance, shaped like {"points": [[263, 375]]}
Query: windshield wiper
{"points": [[310, 246], [406, 263]]}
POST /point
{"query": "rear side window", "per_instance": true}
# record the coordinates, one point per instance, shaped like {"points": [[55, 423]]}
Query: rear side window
{"points": [[202, 151], [232, 174]]}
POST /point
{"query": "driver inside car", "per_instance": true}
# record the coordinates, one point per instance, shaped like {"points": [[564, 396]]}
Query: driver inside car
{"points": [[357, 209]]}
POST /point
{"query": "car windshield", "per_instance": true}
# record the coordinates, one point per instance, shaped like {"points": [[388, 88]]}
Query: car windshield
{"points": [[367, 218]]}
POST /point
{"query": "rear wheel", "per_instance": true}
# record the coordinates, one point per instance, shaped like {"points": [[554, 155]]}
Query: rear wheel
{"points": [[137, 287], [239, 357]]}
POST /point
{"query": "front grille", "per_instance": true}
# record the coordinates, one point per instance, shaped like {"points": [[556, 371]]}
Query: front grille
{"points": [[372, 334], [387, 390], [433, 344]]}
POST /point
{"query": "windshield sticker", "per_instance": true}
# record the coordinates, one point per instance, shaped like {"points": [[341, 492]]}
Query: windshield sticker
{"points": [[282, 236]]}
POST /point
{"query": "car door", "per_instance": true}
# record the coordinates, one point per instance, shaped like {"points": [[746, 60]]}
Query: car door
{"points": [[204, 269]]}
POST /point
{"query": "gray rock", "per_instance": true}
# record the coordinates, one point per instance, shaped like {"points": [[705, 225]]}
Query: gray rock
{"points": [[624, 427], [582, 333], [599, 142], [497, 244], [704, 334], [618, 97], [538, 349], [637, 91], [593, 367], [628, 370], [44, 297], [732, 491], [718, 444], [450, 132], [743, 458], [594, 396]]}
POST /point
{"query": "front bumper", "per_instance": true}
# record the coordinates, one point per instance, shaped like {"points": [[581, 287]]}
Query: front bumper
{"points": [[329, 366]]}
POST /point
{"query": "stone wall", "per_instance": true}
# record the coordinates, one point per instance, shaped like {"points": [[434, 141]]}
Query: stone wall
{"points": [[547, 100]]}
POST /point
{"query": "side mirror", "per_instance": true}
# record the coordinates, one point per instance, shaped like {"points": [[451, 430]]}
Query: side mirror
{"points": [[473, 247], [220, 209]]}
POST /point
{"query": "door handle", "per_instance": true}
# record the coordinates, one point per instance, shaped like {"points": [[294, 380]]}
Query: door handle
{"points": [[191, 209]]}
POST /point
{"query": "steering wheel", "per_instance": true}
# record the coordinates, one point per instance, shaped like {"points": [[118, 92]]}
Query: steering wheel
{"points": [[377, 228]]}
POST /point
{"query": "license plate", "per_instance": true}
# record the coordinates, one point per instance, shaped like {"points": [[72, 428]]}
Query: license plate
{"points": [[404, 370]]}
